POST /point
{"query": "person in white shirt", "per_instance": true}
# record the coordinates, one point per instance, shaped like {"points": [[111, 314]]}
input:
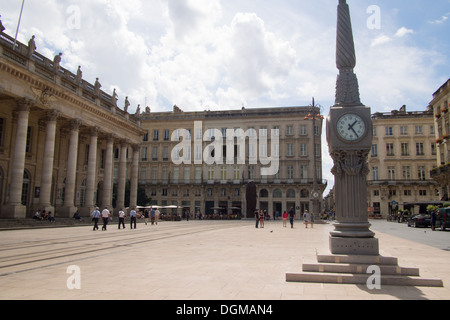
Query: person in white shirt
{"points": [[105, 216], [121, 218], [157, 213], [133, 215]]}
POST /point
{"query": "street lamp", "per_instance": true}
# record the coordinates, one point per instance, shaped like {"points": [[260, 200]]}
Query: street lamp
{"points": [[314, 114]]}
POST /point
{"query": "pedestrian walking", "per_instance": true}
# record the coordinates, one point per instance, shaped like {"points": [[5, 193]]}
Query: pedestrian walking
{"points": [[157, 214], [133, 215], [261, 219], [152, 215], [306, 218], [291, 217], [146, 216], [105, 216], [95, 216], [285, 215], [122, 218], [257, 218]]}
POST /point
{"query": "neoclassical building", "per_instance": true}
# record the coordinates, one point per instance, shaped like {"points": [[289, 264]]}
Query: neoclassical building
{"points": [[65, 145], [441, 108], [403, 154], [196, 161]]}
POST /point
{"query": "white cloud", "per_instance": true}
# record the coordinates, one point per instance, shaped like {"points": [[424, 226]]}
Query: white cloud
{"points": [[442, 20], [403, 31]]}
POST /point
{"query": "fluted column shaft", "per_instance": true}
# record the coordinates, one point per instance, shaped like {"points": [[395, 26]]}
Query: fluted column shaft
{"points": [[71, 177], [18, 159], [122, 176], [48, 159], [134, 177], [108, 177], [92, 169]]}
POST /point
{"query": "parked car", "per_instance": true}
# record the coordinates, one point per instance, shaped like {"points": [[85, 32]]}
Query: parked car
{"points": [[420, 220], [443, 219]]}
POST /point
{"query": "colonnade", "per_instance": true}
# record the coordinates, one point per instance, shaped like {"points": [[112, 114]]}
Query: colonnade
{"points": [[15, 208]]}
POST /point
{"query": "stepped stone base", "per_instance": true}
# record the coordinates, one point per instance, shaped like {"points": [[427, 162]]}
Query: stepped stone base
{"points": [[346, 269]]}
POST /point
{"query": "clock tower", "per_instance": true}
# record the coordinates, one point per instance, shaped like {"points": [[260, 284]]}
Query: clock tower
{"points": [[349, 135]]}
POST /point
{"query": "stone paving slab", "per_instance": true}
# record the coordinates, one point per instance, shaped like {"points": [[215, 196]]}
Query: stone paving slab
{"points": [[200, 260]]}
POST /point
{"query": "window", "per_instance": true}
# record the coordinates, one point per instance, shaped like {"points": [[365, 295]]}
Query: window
{"points": [[290, 193], [391, 173], [210, 173], [405, 149], [145, 139], [155, 153], [406, 173], [389, 131], [187, 175], [289, 130], [290, 172], [433, 149], [303, 130], [28, 145], [374, 150], [155, 135], [419, 130], [290, 150], [303, 150], [237, 173], [421, 173], [376, 193], [166, 135], [423, 193], [144, 153], [165, 153], [223, 173], [419, 149], [403, 131], [375, 173], [407, 193], [198, 174], [277, 193], [389, 149]]}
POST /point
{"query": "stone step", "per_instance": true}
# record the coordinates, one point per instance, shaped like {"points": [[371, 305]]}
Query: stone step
{"points": [[359, 269], [339, 278], [358, 259]]}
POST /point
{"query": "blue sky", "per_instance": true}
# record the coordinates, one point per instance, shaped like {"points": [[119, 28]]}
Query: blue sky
{"points": [[217, 54]]}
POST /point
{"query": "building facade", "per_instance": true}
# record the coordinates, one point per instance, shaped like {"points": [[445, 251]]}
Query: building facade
{"points": [[403, 154], [441, 108], [202, 161], [65, 145]]}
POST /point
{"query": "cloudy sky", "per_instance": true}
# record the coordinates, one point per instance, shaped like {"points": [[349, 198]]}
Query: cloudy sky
{"points": [[225, 54]]}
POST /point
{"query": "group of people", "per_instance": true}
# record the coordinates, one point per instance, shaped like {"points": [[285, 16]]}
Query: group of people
{"points": [[307, 218], [43, 216], [134, 215]]}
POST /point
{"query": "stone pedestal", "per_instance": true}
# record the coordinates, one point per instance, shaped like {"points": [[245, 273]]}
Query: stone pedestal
{"points": [[354, 246]]}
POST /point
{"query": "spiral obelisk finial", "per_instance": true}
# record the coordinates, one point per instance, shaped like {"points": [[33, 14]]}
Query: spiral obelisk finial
{"points": [[347, 88]]}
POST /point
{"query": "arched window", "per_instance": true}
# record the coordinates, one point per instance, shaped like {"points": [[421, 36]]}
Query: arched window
{"points": [[290, 193], [263, 193], [277, 193]]}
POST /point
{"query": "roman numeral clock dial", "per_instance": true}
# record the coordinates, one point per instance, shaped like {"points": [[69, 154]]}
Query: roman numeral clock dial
{"points": [[351, 127]]}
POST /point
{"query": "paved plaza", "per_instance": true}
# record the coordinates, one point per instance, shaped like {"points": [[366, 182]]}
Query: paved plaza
{"points": [[194, 260]]}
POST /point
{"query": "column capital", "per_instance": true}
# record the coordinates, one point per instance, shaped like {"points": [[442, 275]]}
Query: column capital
{"points": [[94, 131], [75, 124], [52, 115], [24, 104]]}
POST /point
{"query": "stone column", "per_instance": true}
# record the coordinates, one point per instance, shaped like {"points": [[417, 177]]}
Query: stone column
{"points": [[15, 209], [48, 159], [122, 176], [92, 170], [108, 178], [134, 177], [71, 176]]}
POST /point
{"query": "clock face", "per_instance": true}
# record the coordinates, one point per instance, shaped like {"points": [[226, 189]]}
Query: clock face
{"points": [[351, 127]]}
